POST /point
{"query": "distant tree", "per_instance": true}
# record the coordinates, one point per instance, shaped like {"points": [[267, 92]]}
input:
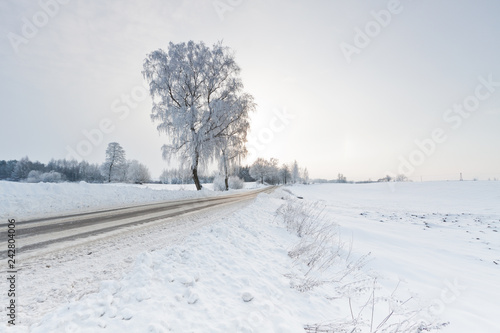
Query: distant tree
{"points": [[266, 171], [115, 161], [273, 173], [176, 176], [7, 168], [401, 178], [285, 173], [198, 100], [22, 169], [71, 170], [385, 179], [90, 173], [341, 178], [295, 172], [259, 169], [244, 173], [165, 177], [305, 176], [54, 171], [3, 167]]}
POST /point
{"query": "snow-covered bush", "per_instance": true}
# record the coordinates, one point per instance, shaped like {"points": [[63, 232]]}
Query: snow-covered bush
{"points": [[34, 176], [236, 183], [51, 177], [137, 172], [219, 183]]}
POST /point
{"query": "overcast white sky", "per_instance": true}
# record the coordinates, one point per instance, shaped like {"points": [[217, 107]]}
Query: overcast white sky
{"points": [[359, 117]]}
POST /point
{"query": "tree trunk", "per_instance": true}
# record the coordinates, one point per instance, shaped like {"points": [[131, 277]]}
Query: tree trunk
{"points": [[195, 174], [196, 180], [109, 174], [224, 166], [225, 170]]}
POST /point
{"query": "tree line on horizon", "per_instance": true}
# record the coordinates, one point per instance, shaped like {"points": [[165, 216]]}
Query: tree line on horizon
{"points": [[116, 168]]}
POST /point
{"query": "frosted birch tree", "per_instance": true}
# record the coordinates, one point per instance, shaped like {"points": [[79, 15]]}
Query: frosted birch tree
{"points": [[198, 100], [115, 161]]}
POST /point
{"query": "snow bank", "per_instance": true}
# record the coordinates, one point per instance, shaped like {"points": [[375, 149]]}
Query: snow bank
{"points": [[228, 277], [27, 200]]}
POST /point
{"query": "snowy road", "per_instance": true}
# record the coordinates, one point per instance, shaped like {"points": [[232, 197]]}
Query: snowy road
{"points": [[45, 232]]}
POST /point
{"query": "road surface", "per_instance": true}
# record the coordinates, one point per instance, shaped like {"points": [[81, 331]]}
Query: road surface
{"points": [[39, 233]]}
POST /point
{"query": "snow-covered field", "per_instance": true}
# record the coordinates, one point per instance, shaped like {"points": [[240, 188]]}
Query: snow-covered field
{"points": [[440, 239], [434, 259]]}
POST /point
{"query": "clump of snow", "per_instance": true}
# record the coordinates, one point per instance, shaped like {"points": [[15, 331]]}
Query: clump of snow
{"points": [[247, 297]]}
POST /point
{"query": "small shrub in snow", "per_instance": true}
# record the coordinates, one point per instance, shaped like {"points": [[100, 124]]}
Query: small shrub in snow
{"points": [[219, 183], [48, 177], [235, 183], [34, 176], [51, 177]]}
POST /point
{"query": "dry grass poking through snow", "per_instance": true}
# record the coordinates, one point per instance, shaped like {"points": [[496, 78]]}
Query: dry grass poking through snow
{"points": [[325, 261], [321, 255]]}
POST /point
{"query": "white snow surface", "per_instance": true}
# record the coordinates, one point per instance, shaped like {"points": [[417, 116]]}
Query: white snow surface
{"points": [[229, 271], [441, 239]]}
